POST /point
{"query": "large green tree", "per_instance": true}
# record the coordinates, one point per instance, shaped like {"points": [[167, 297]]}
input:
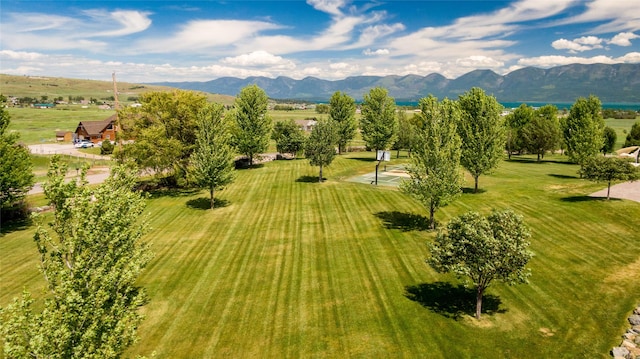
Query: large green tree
{"points": [[608, 169], [483, 249], [90, 261], [436, 176], [342, 110], [482, 132], [16, 174], [163, 131], [583, 130], [378, 121], [212, 161], [515, 123], [320, 147], [406, 138], [542, 133], [289, 137], [253, 125]]}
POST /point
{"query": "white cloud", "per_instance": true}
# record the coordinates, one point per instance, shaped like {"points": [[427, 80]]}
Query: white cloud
{"points": [[378, 52], [329, 6], [479, 61], [131, 22], [19, 55], [554, 60], [259, 59], [623, 39], [585, 43]]}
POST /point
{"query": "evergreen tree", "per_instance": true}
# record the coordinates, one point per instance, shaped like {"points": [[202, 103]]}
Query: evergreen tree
{"points": [[289, 137], [542, 133]]}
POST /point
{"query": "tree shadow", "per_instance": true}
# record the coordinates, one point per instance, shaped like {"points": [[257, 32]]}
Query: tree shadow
{"points": [[452, 301], [574, 199], [403, 221], [469, 190], [310, 179], [364, 159], [13, 225], [204, 203], [243, 164], [562, 176], [173, 192]]}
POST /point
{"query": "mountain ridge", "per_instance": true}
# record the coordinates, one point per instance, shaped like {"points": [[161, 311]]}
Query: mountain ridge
{"points": [[611, 83]]}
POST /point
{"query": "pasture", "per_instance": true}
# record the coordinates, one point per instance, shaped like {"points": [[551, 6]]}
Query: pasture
{"points": [[288, 267]]}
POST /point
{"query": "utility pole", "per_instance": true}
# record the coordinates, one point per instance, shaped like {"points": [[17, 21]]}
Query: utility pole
{"points": [[117, 106]]}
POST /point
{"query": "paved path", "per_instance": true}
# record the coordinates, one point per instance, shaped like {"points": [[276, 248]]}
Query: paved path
{"points": [[62, 149], [94, 178], [626, 190]]}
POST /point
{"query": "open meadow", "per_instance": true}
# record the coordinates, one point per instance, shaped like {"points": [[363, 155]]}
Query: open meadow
{"points": [[288, 267]]}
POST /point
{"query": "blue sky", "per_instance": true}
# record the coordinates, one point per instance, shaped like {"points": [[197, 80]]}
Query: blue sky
{"points": [[164, 40]]}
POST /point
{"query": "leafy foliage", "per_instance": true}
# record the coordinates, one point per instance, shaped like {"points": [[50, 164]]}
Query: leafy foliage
{"points": [[482, 133], [516, 122], [320, 148], [633, 137], [212, 165], [607, 169], [378, 123], [610, 138], [342, 110], [436, 177], [90, 263], [16, 175], [106, 148], [407, 127], [542, 132], [483, 249], [253, 126], [289, 137], [583, 130], [164, 131]]}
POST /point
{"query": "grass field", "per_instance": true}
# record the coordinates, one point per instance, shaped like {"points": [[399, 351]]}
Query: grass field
{"points": [[287, 267]]}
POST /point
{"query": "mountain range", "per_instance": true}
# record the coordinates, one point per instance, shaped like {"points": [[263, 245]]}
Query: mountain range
{"points": [[617, 83]]}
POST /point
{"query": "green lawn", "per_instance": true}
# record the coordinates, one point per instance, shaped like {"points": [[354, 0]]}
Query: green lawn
{"points": [[622, 127], [292, 268]]}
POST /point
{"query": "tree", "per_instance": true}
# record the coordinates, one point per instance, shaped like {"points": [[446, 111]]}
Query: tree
{"points": [[436, 178], [482, 133], [322, 108], [320, 148], [90, 264], [406, 132], [212, 161], [106, 148], [610, 138], [515, 124], [633, 137], [342, 110], [253, 126], [583, 131], [163, 130], [542, 133], [607, 169], [16, 170], [289, 137], [483, 249], [378, 123]]}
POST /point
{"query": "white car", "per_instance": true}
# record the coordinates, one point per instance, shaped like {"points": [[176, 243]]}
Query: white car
{"points": [[83, 144]]}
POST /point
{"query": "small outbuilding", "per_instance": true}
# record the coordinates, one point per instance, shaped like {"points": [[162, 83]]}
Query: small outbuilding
{"points": [[96, 131], [307, 124], [64, 136]]}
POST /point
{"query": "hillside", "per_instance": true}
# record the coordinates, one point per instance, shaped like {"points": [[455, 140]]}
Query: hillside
{"points": [[53, 87], [611, 83]]}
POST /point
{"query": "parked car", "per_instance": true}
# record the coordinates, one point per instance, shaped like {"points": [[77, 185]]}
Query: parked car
{"points": [[83, 144]]}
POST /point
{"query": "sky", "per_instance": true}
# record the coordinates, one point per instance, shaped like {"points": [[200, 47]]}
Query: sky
{"points": [[165, 40]]}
